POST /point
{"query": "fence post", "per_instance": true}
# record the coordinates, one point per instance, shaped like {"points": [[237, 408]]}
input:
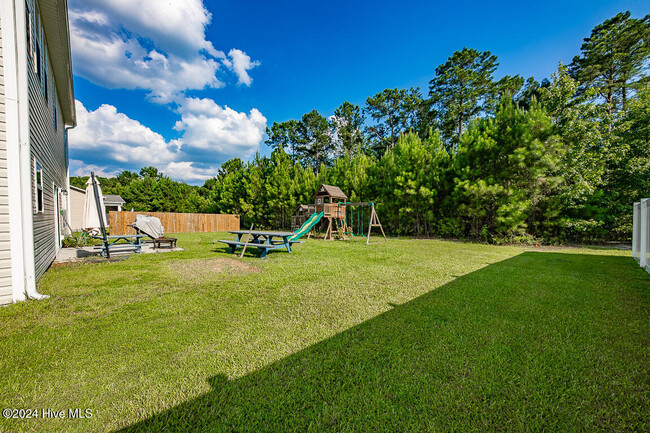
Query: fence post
{"points": [[636, 230], [644, 247]]}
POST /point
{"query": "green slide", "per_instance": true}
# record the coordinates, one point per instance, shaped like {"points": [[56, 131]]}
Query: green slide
{"points": [[306, 227]]}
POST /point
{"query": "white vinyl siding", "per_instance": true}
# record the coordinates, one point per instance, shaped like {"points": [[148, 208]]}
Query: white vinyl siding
{"points": [[77, 199], [47, 145], [5, 247]]}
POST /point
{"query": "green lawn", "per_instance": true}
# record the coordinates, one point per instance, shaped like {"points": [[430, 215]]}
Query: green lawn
{"points": [[409, 335]]}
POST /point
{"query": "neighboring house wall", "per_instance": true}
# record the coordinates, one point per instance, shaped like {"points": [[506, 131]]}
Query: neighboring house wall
{"points": [[107, 215], [47, 144], [5, 245], [77, 199], [77, 202]]}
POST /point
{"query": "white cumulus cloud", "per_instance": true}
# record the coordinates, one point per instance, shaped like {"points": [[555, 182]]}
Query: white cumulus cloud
{"points": [[80, 168], [208, 127], [241, 63], [149, 45], [159, 47], [177, 27], [188, 171], [106, 135], [108, 141]]}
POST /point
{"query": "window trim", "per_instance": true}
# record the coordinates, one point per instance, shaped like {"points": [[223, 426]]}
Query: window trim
{"points": [[38, 187], [37, 48], [28, 26], [30, 32]]}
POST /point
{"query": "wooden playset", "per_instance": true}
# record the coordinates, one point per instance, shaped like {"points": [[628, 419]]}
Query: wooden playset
{"points": [[340, 217]]}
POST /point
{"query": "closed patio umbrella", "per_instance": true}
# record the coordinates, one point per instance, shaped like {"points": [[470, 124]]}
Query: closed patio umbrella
{"points": [[90, 220]]}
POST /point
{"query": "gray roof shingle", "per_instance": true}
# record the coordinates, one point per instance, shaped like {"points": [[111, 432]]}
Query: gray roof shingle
{"points": [[333, 191], [112, 199]]}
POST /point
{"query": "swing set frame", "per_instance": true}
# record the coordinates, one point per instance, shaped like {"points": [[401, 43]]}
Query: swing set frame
{"points": [[348, 229]]}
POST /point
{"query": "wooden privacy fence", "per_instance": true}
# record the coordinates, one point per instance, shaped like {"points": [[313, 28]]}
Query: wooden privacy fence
{"points": [[175, 222]]}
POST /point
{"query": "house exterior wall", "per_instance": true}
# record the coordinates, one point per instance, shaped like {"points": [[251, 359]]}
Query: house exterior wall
{"points": [[5, 244], [32, 129], [48, 149]]}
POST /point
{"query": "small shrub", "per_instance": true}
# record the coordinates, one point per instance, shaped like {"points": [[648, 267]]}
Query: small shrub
{"points": [[79, 239], [69, 241]]}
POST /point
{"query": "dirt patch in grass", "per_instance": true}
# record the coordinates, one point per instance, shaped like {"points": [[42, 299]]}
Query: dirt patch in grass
{"points": [[205, 266]]}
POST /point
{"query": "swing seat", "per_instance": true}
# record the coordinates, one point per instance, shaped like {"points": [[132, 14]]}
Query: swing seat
{"points": [[360, 225]]}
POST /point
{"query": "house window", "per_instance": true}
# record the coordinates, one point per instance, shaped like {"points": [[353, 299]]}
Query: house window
{"points": [[31, 34], [54, 109], [28, 24], [45, 89], [38, 187], [37, 47]]}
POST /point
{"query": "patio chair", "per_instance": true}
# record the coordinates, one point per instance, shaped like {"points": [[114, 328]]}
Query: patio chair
{"points": [[152, 227]]}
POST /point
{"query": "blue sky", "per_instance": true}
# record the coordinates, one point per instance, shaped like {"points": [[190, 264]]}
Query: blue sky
{"points": [[187, 85]]}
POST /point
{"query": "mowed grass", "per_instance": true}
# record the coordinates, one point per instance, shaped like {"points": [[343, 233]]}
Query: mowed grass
{"points": [[408, 335]]}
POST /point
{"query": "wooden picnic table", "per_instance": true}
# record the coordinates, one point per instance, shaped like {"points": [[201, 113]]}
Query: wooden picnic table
{"points": [[262, 239], [112, 240]]}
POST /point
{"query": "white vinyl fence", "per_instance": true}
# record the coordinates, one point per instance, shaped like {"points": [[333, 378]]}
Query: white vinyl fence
{"points": [[641, 233]]}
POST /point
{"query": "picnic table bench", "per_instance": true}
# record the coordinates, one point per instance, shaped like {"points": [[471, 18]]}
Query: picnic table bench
{"points": [[107, 243], [262, 240]]}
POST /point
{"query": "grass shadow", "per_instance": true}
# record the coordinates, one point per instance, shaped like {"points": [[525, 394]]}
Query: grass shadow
{"points": [[537, 342]]}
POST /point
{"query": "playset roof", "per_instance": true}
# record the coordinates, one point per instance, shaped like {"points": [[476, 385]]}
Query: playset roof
{"points": [[332, 191]]}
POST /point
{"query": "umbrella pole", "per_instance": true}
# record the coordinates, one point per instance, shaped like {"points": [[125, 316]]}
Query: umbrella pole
{"points": [[100, 211]]}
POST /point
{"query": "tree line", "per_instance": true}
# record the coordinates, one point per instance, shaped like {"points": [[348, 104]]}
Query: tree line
{"points": [[512, 159]]}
